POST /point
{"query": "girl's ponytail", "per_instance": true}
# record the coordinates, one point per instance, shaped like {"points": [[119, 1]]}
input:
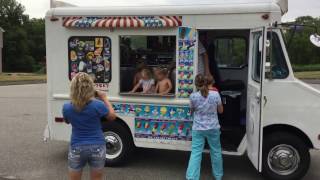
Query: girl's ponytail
{"points": [[201, 85], [204, 91]]}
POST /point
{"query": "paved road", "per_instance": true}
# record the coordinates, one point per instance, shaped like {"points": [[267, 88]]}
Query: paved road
{"points": [[24, 155]]}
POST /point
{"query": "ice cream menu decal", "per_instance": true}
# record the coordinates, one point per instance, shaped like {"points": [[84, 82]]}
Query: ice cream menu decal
{"points": [[91, 55], [159, 122], [186, 47]]}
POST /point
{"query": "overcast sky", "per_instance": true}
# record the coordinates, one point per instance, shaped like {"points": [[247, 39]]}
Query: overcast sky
{"points": [[38, 8]]}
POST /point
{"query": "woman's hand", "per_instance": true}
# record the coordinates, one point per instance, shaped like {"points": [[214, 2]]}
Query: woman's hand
{"points": [[101, 95]]}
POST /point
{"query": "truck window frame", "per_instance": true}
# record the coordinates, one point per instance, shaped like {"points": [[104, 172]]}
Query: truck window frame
{"points": [[151, 95], [245, 64], [254, 59]]}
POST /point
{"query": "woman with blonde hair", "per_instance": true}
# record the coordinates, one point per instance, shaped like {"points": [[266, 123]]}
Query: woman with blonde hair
{"points": [[84, 113]]}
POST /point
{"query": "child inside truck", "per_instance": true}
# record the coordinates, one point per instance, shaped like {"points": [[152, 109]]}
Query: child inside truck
{"points": [[137, 75], [164, 84], [146, 82]]}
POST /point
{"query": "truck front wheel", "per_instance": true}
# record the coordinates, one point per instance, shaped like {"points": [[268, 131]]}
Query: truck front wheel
{"points": [[119, 143], [285, 157]]}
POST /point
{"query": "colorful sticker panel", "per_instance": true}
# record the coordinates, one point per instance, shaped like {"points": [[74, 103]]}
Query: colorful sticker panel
{"points": [[158, 122], [161, 129], [186, 47], [91, 55], [154, 111]]}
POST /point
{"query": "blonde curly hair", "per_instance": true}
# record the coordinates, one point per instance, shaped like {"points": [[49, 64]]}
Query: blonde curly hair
{"points": [[81, 90]]}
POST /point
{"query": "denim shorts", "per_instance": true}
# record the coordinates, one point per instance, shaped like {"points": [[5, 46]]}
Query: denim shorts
{"points": [[79, 156]]}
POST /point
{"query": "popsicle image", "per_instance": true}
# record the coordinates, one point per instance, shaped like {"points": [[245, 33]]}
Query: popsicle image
{"points": [[155, 128]]}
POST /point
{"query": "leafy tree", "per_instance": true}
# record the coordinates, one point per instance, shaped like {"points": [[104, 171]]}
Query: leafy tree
{"points": [[300, 49], [35, 29], [11, 14], [16, 52], [23, 40]]}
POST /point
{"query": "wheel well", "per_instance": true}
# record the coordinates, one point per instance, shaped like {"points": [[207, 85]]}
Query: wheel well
{"points": [[287, 128], [124, 124]]}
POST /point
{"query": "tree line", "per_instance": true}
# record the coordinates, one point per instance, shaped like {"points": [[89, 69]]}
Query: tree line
{"points": [[24, 40], [300, 49]]}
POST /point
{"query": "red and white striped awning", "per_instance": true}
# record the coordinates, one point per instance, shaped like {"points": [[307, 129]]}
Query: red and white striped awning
{"points": [[123, 22]]}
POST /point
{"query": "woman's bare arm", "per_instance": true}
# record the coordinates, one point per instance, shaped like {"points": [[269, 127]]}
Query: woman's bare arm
{"points": [[206, 65], [111, 114]]}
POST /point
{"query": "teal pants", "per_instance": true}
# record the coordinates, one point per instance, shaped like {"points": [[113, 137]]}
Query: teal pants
{"points": [[198, 141]]}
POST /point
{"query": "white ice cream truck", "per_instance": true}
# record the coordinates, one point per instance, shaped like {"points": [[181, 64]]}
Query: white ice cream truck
{"points": [[269, 114]]}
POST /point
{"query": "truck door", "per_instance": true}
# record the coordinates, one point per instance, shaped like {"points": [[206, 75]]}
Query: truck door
{"points": [[254, 106]]}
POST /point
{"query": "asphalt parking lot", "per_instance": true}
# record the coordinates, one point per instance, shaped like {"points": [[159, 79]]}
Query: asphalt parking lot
{"points": [[25, 156]]}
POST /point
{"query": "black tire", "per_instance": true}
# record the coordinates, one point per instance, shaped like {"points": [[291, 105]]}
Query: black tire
{"points": [[123, 137], [285, 141]]}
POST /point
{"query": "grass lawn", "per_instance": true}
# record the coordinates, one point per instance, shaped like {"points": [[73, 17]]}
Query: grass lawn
{"points": [[308, 75], [308, 67], [14, 77]]}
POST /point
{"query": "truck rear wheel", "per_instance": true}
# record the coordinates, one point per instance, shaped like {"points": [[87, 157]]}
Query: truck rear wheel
{"points": [[285, 157], [119, 143]]}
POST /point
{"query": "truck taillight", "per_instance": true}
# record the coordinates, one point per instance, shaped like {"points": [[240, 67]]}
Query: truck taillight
{"points": [[59, 119]]}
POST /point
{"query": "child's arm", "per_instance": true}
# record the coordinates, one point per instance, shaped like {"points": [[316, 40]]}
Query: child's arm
{"points": [[157, 88], [168, 82], [135, 88], [191, 106], [219, 104], [135, 80], [220, 108]]}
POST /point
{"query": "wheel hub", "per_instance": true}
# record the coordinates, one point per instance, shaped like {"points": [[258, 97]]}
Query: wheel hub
{"points": [[283, 159], [113, 145]]}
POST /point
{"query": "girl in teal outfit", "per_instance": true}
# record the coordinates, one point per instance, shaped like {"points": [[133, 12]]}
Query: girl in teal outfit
{"points": [[205, 106]]}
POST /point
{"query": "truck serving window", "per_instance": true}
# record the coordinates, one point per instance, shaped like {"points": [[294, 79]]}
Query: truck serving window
{"points": [[230, 52], [91, 55], [154, 55]]}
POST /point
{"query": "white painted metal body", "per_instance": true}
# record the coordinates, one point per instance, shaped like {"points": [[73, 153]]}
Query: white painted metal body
{"points": [[289, 101]]}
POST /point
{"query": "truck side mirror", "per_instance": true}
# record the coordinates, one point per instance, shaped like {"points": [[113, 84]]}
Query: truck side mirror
{"points": [[267, 65], [268, 73], [315, 39]]}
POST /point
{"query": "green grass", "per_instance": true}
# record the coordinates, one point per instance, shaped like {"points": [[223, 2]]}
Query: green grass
{"points": [[309, 67], [10, 77], [308, 75]]}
